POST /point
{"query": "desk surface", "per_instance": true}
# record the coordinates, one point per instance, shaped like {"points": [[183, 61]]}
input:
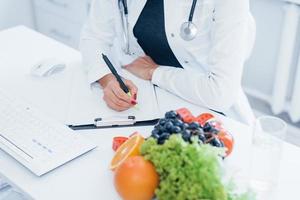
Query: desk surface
{"points": [[89, 177], [20, 50]]}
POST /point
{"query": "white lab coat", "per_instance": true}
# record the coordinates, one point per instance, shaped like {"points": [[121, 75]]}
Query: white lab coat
{"points": [[213, 61]]}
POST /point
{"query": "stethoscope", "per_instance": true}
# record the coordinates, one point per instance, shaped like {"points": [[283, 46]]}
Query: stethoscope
{"points": [[188, 30], [125, 24]]}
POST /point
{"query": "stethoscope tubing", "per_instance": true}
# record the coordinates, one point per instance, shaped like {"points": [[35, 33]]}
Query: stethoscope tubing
{"points": [[124, 2], [125, 24], [192, 11]]}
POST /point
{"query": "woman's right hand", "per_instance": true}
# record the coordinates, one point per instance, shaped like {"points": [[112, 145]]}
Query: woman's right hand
{"points": [[114, 96]]}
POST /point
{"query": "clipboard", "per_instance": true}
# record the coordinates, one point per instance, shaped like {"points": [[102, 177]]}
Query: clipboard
{"points": [[114, 124], [87, 109]]}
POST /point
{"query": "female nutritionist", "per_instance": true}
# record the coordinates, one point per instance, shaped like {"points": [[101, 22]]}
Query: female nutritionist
{"points": [[194, 49]]}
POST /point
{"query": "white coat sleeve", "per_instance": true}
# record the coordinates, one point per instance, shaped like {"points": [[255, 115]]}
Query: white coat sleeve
{"points": [[218, 89], [97, 37]]}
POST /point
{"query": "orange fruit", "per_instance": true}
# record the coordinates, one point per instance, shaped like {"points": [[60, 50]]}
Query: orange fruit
{"points": [[129, 148], [136, 179]]}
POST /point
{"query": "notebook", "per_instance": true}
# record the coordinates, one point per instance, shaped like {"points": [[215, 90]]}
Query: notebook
{"points": [[87, 104]]}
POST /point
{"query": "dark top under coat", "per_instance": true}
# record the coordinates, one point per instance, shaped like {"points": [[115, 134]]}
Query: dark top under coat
{"points": [[151, 35]]}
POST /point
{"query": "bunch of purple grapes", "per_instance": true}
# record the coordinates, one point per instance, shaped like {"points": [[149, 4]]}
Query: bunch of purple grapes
{"points": [[173, 124]]}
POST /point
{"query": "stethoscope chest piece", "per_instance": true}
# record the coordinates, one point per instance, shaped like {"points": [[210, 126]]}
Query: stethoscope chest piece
{"points": [[188, 31]]}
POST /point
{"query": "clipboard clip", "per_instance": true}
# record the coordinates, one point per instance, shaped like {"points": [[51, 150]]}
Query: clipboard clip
{"points": [[114, 121]]}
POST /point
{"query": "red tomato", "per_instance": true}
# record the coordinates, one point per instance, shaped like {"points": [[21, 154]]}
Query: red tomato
{"points": [[227, 140], [118, 141], [203, 118], [186, 115]]}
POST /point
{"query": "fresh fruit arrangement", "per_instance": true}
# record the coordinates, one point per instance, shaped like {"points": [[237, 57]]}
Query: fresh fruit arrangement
{"points": [[180, 160], [204, 129]]}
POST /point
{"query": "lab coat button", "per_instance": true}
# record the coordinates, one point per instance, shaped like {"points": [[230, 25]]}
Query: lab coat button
{"points": [[186, 62], [172, 35]]}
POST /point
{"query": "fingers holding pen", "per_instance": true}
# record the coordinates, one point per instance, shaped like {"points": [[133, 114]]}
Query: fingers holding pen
{"points": [[132, 88], [116, 98]]}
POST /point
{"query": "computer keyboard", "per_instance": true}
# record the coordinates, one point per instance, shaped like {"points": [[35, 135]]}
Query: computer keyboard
{"points": [[37, 141]]}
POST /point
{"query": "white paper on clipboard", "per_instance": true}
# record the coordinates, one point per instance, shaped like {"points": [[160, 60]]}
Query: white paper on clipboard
{"points": [[87, 104]]}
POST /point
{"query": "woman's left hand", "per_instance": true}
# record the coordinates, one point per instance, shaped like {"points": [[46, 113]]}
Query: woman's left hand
{"points": [[142, 67]]}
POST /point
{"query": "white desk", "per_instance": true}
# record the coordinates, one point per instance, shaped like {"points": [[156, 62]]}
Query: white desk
{"points": [[20, 49], [88, 177]]}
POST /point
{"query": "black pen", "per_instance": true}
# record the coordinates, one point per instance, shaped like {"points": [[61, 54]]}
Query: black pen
{"points": [[115, 73]]}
